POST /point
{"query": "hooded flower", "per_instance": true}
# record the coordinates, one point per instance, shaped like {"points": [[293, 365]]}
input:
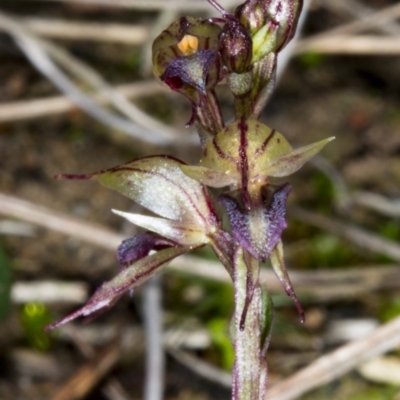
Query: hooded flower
{"points": [[187, 220], [186, 58]]}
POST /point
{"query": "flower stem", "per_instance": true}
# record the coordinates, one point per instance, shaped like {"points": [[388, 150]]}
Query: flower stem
{"points": [[250, 369]]}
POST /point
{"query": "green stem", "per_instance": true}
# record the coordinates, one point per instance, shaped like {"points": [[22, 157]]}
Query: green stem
{"points": [[250, 369]]}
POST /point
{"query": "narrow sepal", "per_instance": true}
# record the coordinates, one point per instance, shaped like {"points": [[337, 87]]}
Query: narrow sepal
{"points": [[292, 161], [109, 292], [259, 229], [278, 264]]}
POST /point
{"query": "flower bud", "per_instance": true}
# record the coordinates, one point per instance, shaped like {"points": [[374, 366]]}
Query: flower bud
{"points": [[272, 23], [236, 47]]}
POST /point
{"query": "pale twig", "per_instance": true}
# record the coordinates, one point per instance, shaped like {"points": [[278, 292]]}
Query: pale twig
{"points": [[319, 283], [49, 292], [361, 237], [337, 363], [360, 10], [356, 45], [367, 22], [14, 228], [58, 222], [40, 60], [152, 311], [377, 202], [202, 368], [88, 31], [159, 132], [192, 5], [56, 105]]}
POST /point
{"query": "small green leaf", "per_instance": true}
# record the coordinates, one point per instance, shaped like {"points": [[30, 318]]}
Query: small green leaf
{"points": [[219, 331]]}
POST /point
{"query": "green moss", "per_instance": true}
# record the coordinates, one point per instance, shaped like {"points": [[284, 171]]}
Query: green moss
{"points": [[219, 332], [311, 60], [34, 317]]}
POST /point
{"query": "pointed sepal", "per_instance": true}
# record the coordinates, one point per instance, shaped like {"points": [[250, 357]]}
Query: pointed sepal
{"points": [[278, 264], [292, 161], [129, 278]]}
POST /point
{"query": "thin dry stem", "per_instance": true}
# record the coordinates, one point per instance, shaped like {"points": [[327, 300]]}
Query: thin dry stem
{"points": [[337, 363]]}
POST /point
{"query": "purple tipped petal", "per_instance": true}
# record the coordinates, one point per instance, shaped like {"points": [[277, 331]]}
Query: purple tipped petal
{"points": [[260, 229], [190, 71], [109, 292], [139, 246]]}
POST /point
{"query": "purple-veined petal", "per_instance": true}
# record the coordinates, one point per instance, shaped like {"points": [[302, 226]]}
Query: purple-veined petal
{"points": [[278, 264], [109, 292], [182, 233], [258, 230]]}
